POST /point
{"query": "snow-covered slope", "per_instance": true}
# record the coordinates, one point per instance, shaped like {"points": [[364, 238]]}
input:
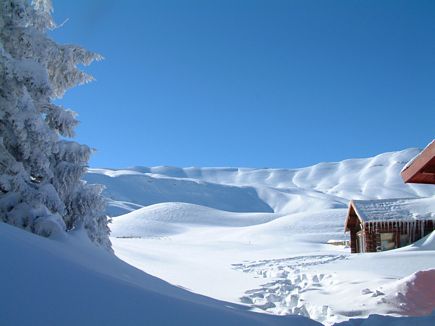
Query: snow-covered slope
{"points": [[69, 281], [259, 236], [131, 189], [172, 218], [322, 186]]}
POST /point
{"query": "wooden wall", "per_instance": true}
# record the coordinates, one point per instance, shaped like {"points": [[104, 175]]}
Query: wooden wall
{"points": [[373, 230]]}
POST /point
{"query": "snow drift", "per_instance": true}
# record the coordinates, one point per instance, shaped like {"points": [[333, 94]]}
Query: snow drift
{"points": [[416, 293], [426, 243]]}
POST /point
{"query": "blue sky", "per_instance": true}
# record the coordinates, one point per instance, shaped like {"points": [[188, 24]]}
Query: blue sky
{"points": [[251, 83]]}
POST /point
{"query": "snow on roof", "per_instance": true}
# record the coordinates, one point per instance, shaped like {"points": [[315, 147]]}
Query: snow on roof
{"points": [[409, 209]]}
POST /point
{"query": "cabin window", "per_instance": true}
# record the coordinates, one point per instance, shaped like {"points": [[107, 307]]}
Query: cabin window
{"points": [[387, 241]]}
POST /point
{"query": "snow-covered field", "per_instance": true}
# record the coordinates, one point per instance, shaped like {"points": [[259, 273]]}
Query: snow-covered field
{"points": [[259, 236]]}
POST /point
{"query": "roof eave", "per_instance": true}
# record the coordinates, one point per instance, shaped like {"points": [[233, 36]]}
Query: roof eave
{"points": [[413, 173]]}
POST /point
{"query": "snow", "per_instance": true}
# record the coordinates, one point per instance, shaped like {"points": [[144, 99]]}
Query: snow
{"points": [[426, 243], [267, 245], [396, 209], [236, 246], [69, 281], [130, 190], [169, 218], [322, 186], [416, 292]]}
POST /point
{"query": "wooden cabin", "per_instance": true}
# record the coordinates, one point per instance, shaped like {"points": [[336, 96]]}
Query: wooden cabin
{"points": [[379, 225], [421, 169]]}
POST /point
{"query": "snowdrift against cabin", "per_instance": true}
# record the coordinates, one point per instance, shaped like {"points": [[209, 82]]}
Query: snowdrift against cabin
{"points": [[40, 172]]}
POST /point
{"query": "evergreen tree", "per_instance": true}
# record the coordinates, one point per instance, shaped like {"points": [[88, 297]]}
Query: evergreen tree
{"points": [[40, 170]]}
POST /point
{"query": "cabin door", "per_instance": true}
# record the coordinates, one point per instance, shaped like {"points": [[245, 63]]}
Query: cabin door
{"points": [[360, 242]]}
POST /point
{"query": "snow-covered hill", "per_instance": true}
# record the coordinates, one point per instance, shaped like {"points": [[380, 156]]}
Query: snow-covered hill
{"points": [[322, 186], [170, 218], [259, 236]]}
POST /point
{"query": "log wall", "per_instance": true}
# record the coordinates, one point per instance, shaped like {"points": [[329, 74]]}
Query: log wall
{"points": [[372, 232]]}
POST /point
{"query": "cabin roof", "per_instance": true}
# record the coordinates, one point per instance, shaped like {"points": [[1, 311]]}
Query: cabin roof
{"points": [[399, 209], [421, 169]]}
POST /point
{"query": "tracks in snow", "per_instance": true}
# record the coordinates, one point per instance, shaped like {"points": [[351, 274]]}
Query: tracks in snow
{"points": [[289, 280]]}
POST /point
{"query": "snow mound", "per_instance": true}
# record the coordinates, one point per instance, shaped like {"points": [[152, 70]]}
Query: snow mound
{"points": [[427, 243], [172, 218], [411, 296], [414, 294]]}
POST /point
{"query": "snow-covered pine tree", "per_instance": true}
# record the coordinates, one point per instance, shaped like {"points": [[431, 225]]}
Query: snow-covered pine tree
{"points": [[40, 171]]}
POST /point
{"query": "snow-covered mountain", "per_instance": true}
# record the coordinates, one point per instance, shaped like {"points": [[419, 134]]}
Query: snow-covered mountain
{"points": [[322, 186]]}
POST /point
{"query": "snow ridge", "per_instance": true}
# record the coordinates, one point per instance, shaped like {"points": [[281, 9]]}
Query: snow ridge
{"points": [[322, 186]]}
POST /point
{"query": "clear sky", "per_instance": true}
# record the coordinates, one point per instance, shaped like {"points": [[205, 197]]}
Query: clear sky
{"points": [[252, 83]]}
